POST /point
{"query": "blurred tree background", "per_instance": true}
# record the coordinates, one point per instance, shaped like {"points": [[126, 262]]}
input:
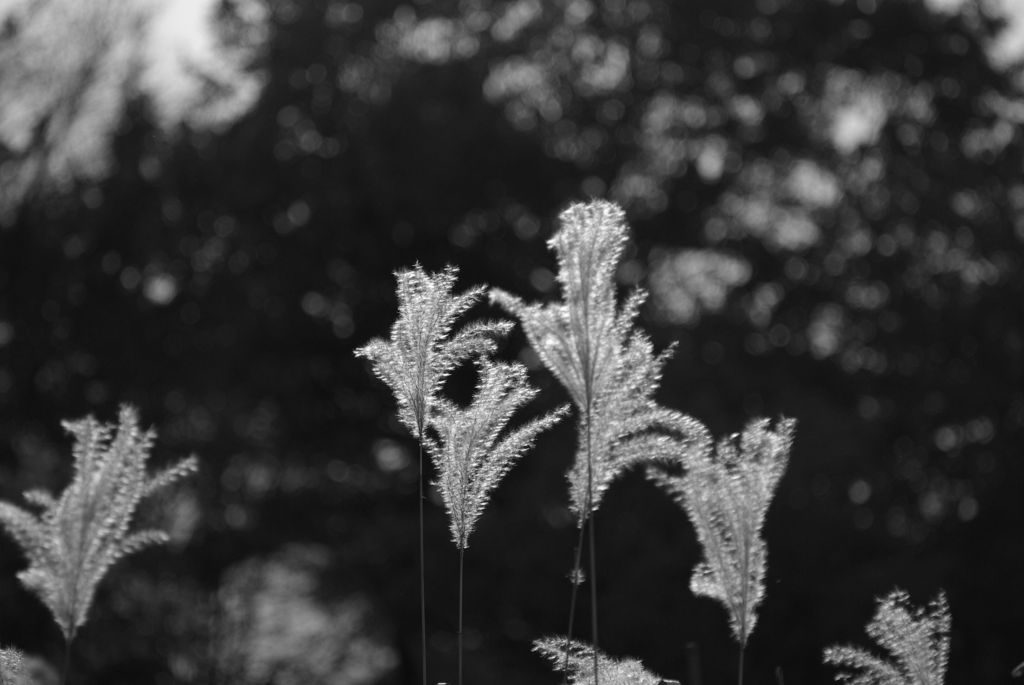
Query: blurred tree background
{"points": [[826, 202]]}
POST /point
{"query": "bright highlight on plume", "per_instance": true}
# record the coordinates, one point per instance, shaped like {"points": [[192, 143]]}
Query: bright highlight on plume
{"points": [[422, 353], [469, 456], [74, 540], [917, 641], [726, 494], [590, 344]]}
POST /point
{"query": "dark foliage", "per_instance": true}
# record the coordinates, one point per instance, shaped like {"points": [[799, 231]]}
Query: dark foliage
{"points": [[221, 284]]}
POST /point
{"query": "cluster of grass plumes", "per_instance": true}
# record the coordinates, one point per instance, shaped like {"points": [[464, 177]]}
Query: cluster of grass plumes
{"points": [[420, 354], [590, 343], [74, 539]]}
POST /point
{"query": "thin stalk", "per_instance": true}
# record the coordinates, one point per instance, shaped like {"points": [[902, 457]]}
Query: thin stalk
{"points": [[588, 516], [693, 663], [588, 382], [67, 660], [588, 365], [577, 561], [593, 594], [743, 608], [423, 591], [462, 555], [593, 570], [593, 544]]}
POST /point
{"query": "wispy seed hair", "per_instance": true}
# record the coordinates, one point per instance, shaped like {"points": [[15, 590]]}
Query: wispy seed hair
{"points": [[916, 639], [470, 458], [726, 494], [574, 337], [421, 352], [608, 367], [74, 540], [579, 658]]}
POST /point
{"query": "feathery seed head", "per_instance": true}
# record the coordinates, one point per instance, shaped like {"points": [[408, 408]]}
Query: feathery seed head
{"points": [[421, 353], [917, 641], [76, 538], [628, 428], [573, 337], [580, 663], [726, 493], [471, 459], [608, 367]]}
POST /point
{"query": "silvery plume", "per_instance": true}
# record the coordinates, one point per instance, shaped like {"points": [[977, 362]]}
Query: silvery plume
{"points": [[589, 342], [75, 539], [421, 353], [917, 641], [726, 493], [471, 452], [576, 659]]}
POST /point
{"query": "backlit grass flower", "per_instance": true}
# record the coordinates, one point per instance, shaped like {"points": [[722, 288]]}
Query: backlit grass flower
{"points": [[470, 451], [74, 540], [609, 368], [421, 353], [577, 658], [917, 641], [726, 493]]}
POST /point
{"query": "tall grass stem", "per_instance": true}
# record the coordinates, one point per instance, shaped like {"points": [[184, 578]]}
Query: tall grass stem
{"points": [[574, 578], [422, 560], [593, 552], [67, 661], [593, 593], [693, 663], [462, 556]]}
